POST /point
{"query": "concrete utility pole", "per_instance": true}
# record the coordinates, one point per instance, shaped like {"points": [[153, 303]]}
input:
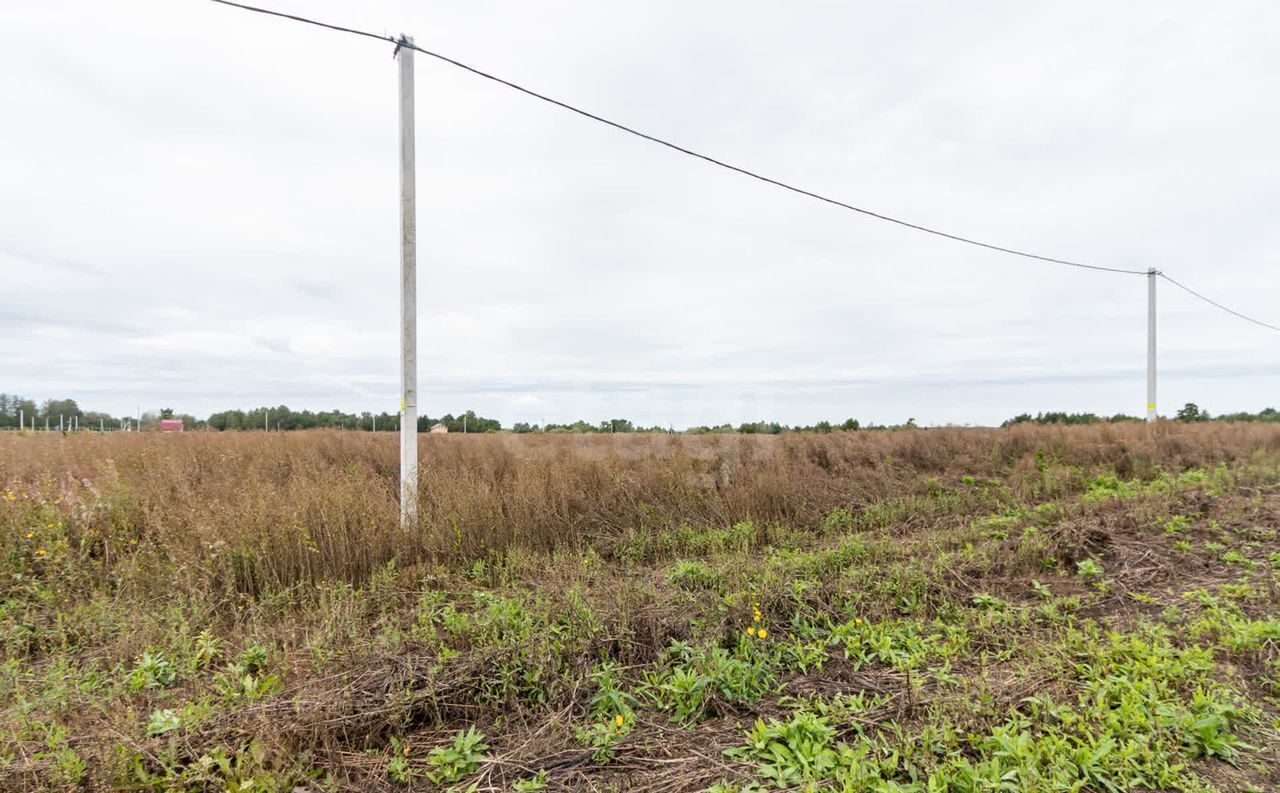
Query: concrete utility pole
{"points": [[408, 297], [1151, 345]]}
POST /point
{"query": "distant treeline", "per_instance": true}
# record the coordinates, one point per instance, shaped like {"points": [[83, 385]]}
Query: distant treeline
{"points": [[1189, 412], [52, 411]]}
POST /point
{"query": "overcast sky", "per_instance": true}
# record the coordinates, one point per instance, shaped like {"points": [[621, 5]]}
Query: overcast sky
{"points": [[198, 207]]}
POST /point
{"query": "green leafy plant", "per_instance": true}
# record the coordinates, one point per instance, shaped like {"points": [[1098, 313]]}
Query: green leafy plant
{"points": [[1089, 569], [153, 670], [987, 602], [682, 690], [694, 576], [609, 699], [1205, 728], [399, 769], [450, 763], [253, 659], [162, 721], [601, 736], [537, 782], [208, 647], [800, 750]]}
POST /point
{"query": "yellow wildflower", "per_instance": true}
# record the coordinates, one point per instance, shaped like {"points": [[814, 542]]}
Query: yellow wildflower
{"points": [[618, 720], [751, 631], [406, 750], [30, 534], [40, 552], [756, 618], [762, 633], [858, 621]]}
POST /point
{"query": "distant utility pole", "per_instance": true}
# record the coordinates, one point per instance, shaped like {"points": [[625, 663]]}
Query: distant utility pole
{"points": [[21, 419], [1151, 344], [266, 421], [408, 297]]}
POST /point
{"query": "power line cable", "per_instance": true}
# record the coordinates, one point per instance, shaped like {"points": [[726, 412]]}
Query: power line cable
{"points": [[1216, 304], [679, 148], [402, 42]]}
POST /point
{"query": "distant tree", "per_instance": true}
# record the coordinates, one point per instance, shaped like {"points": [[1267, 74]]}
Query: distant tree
{"points": [[10, 405], [53, 408], [1192, 412], [850, 424], [1053, 417], [166, 413], [760, 428], [92, 420]]}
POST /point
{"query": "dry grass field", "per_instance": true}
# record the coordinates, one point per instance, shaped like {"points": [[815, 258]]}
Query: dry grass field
{"points": [[922, 611]]}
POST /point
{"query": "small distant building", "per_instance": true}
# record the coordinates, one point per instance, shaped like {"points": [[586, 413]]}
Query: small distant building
{"points": [[438, 427], [171, 425]]}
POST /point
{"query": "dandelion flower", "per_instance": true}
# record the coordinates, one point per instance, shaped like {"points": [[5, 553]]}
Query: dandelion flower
{"points": [[751, 631], [756, 618], [406, 750], [858, 621], [40, 552], [762, 633], [618, 720], [30, 534]]}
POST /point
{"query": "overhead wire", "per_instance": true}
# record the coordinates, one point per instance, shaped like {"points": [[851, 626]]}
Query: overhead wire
{"points": [[403, 42], [1216, 304]]}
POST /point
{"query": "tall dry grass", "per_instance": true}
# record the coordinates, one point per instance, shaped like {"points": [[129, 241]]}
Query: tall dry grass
{"points": [[252, 512]]}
